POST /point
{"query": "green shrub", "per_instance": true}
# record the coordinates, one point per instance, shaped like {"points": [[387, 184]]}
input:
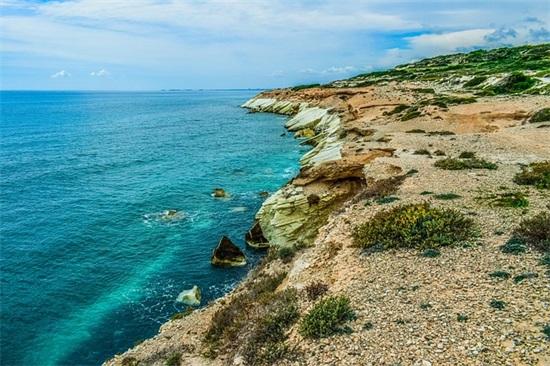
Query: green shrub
{"points": [[501, 275], [327, 317], [541, 116], [546, 330], [536, 231], [187, 312], [411, 114], [545, 260], [421, 152], [514, 245], [228, 321], [414, 226], [441, 133], [173, 360], [475, 81], [286, 253], [316, 290], [497, 304], [439, 153], [456, 164], [461, 318], [306, 86], [415, 130], [467, 155], [510, 199], [447, 196], [412, 171], [425, 193], [400, 108], [425, 306], [265, 344], [368, 326], [524, 276], [537, 174], [388, 199], [431, 253], [514, 83]]}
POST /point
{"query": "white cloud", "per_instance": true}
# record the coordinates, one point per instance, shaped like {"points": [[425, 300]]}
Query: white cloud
{"points": [[344, 70], [277, 74], [100, 73], [61, 74]]}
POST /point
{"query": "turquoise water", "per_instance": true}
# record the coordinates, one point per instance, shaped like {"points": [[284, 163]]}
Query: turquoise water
{"points": [[88, 264]]}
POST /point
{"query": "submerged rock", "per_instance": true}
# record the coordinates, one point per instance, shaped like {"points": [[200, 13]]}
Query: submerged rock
{"points": [[190, 297], [170, 214], [220, 193], [255, 237], [227, 254], [264, 194]]}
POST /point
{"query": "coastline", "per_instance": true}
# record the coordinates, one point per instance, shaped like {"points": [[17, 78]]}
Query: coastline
{"points": [[365, 145]]}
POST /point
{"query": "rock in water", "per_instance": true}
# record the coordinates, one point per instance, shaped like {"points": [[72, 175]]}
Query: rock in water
{"points": [[170, 214], [255, 237], [227, 254], [190, 297], [220, 193]]}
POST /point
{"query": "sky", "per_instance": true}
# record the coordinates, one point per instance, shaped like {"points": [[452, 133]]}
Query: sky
{"points": [[192, 44]]}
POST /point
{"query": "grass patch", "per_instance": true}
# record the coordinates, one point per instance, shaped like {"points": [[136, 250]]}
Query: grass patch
{"points": [[441, 133], [414, 226], [514, 245], [327, 317], [497, 304], [541, 116], [524, 276], [412, 113], [173, 360], [286, 253], [421, 152], [388, 199], [447, 196], [501, 275], [510, 199], [475, 81], [536, 174], [456, 164], [430, 253], [305, 86], [467, 155], [235, 317], [400, 108], [266, 342], [415, 130], [535, 231]]}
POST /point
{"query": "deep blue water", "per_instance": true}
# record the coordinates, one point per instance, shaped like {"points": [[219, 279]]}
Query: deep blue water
{"points": [[88, 264]]}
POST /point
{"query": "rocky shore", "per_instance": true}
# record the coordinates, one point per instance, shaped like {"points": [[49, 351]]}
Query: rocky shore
{"points": [[375, 147]]}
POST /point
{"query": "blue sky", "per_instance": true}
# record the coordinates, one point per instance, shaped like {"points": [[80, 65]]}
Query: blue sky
{"points": [[161, 44]]}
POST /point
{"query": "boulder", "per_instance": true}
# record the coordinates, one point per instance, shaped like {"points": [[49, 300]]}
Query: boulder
{"points": [[170, 214], [255, 237], [190, 297], [220, 193], [227, 254], [264, 194]]}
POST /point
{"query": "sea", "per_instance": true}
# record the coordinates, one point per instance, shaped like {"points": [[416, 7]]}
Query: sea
{"points": [[89, 264]]}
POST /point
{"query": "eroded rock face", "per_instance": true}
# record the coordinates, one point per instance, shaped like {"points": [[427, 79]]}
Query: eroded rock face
{"points": [[293, 215], [227, 254], [190, 297], [255, 237]]}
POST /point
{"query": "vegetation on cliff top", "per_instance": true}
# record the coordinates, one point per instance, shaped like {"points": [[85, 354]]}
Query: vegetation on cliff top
{"points": [[519, 69]]}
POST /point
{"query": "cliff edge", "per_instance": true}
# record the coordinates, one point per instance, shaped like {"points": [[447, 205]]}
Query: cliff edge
{"points": [[461, 139]]}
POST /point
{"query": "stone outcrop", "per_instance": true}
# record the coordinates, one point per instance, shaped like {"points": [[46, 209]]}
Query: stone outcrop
{"points": [[190, 297], [220, 193], [255, 237], [227, 254]]}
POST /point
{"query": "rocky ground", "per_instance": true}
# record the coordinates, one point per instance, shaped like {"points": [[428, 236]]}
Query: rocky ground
{"points": [[411, 310]]}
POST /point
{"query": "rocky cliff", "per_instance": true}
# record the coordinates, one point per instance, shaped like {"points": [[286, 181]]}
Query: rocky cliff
{"points": [[466, 133]]}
